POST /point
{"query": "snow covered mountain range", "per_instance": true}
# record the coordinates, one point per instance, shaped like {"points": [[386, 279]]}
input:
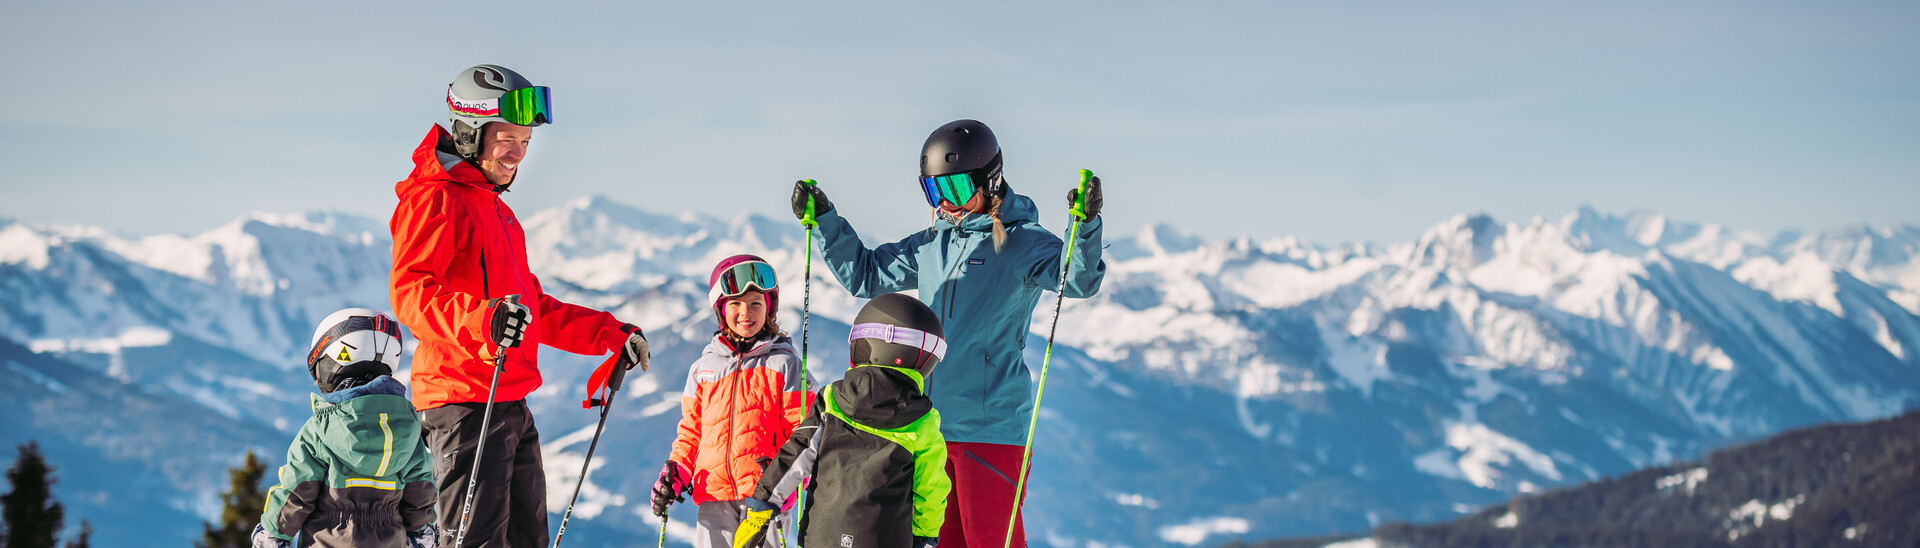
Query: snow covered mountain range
{"points": [[1214, 390]]}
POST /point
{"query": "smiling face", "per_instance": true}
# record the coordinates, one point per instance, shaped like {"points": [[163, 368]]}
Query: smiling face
{"points": [[502, 147], [744, 314]]}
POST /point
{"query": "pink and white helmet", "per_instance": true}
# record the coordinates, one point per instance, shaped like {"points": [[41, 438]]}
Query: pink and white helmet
{"points": [[740, 274]]}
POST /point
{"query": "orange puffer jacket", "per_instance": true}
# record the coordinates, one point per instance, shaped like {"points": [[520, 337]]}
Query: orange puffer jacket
{"points": [[738, 407], [455, 245]]}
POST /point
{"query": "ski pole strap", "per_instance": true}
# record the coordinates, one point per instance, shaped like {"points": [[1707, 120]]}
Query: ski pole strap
{"points": [[604, 382]]}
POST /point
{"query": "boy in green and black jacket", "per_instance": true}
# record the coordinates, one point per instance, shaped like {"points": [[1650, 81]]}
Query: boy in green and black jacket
{"points": [[871, 443], [358, 474]]}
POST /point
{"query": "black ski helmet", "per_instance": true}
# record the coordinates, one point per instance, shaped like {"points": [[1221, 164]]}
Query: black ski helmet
{"points": [[897, 330], [964, 146], [352, 347]]}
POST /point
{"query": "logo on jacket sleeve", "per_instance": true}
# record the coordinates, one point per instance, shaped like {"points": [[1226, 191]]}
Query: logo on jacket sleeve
{"points": [[706, 375], [846, 541]]}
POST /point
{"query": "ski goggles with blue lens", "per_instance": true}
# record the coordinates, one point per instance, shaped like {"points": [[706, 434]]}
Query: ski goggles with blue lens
{"points": [[957, 188], [529, 106], [741, 278]]}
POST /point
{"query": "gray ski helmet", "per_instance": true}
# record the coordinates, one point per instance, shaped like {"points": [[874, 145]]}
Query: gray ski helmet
{"points": [[467, 96], [897, 330], [964, 146]]}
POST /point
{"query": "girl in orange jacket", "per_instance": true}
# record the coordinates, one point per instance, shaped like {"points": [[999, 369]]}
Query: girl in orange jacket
{"points": [[743, 398]]}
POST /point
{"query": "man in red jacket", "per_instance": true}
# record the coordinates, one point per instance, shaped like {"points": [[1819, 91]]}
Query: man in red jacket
{"points": [[460, 282]]}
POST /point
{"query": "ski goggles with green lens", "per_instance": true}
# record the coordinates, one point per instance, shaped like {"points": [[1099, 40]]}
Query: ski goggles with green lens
{"points": [[957, 188], [529, 106], [741, 278]]}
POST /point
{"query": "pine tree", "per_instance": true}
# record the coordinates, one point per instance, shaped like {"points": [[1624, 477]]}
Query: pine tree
{"points": [[32, 517], [242, 504], [85, 538]]}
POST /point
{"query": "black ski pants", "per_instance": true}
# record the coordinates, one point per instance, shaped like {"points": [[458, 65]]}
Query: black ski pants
{"points": [[510, 503]]}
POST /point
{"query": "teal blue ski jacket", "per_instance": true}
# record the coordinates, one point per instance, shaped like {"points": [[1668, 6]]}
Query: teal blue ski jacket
{"points": [[985, 300]]}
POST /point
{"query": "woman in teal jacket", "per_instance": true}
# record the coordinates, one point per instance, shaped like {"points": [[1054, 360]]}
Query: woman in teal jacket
{"points": [[981, 268]]}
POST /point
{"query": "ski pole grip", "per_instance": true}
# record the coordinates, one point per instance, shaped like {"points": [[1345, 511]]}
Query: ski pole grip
{"points": [[1079, 209], [808, 221]]}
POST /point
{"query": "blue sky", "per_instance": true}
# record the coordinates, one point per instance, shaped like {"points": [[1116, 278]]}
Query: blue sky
{"points": [[1331, 121]]}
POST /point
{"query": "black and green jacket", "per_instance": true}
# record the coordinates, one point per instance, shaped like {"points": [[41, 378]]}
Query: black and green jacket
{"points": [[358, 474], [872, 444]]}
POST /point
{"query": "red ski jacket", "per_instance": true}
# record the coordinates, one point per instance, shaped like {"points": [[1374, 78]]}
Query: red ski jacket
{"points": [[455, 245]]}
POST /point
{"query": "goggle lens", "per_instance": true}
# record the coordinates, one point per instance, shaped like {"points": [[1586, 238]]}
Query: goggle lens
{"points": [[527, 106], [957, 189], [745, 277]]}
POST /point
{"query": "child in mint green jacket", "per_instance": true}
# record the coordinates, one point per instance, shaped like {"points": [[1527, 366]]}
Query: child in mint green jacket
{"points": [[358, 474]]}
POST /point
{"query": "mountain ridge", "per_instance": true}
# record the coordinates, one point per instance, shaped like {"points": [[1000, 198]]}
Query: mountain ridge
{"points": [[1412, 381]]}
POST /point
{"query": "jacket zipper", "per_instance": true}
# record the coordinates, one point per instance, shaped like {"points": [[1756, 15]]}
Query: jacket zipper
{"points": [[946, 305], [733, 422], [485, 293]]}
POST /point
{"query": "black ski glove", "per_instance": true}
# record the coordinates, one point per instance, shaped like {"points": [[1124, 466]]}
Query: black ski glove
{"points": [[1094, 199], [802, 190], [635, 351], [507, 322], [925, 542]]}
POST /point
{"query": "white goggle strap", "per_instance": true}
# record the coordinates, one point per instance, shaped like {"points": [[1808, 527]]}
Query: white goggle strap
{"points": [[926, 342]]}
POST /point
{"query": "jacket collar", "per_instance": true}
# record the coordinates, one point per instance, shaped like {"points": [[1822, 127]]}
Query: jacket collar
{"points": [[720, 346], [383, 384], [435, 160], [1014, 209], [880, 396]]}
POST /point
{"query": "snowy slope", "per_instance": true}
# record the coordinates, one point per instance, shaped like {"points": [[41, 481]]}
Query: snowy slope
{"points": [[1243, 388]]}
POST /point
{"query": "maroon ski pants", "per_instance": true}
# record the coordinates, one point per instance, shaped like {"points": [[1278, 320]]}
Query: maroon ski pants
{"points": [[984, 480]]}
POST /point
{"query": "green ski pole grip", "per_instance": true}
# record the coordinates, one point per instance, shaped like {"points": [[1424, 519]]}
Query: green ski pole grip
{"points": [[808, 222], [1079, 209]]}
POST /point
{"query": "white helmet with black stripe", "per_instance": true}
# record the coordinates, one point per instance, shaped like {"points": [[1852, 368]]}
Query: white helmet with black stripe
{"points": [[352, 347]]}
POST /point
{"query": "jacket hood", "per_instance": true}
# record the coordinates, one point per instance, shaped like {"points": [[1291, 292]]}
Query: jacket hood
{"points": [[384, 384], [373, 430], [434, 161], [718, 346], [882, 397], [1015, 209]]}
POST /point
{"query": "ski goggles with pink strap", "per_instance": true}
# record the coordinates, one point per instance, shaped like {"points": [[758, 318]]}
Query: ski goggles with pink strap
{"points": [[926, 342], [741, 278], [530, 106]]}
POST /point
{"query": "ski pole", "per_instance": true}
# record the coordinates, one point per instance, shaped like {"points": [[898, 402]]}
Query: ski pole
{"points": [[1075, 214], [806, 303], [663, 531], [473, 478], [613, 375]]}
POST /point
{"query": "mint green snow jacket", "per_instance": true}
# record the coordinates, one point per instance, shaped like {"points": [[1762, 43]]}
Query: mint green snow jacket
{"points": [[357, 475]]}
